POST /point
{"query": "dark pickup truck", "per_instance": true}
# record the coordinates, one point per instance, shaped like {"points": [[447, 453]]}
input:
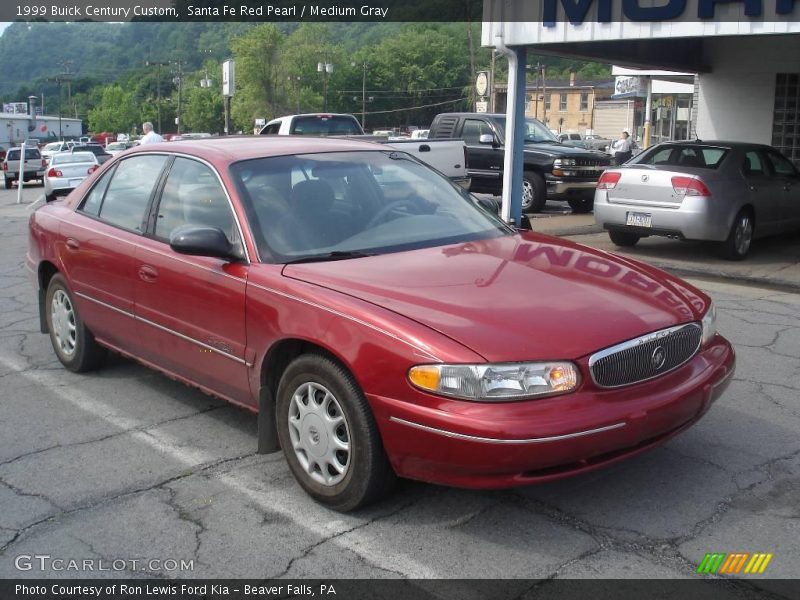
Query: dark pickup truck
{"points": [[553, 171]]}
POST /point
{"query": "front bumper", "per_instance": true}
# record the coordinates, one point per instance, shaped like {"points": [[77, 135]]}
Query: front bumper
{"points": [[498, 445], [560, 187], [696, 218]]}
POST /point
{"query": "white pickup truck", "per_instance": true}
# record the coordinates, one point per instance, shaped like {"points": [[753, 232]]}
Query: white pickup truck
{"points": [[449, 157]]}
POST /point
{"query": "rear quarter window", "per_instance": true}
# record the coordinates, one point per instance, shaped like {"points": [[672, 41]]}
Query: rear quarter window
{"points": [[325, 126]]}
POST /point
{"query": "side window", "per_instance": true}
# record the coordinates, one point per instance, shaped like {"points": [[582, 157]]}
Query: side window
{"points": [[129, 192], [780, 164], [91, 204], [473, 129], [193, 196], [272, 129], [752, 164]]}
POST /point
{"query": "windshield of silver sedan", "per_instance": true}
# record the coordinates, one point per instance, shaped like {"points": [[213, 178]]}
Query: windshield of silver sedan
{"points": [[339, 205]]}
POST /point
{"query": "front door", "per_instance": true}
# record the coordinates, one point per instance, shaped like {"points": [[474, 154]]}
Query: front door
{"points": [[190, 310], [485, 164]]}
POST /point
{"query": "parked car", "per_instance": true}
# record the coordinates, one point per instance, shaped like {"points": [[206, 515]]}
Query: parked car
{"points": [[53, 148], [115, 148], [382, 330], [552, 171], [447, 156], [66, 171], [96, 149], [597, 142], [726, 192], [573, 139], [33, 169]]}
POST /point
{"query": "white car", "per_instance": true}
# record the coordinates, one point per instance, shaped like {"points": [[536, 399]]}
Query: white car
{"points": [[66, 171], [53, 148], [115, 148]]}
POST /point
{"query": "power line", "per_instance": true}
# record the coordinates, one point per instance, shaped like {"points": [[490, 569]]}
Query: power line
{"points": [[378, 112]]}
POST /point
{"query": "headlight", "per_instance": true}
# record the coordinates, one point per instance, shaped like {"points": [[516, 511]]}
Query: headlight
{"points": [[496, 382], [709, 324]]}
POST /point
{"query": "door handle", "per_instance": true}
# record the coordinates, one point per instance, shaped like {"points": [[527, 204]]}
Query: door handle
{"points": [[787, 187], [753, 188], [72, 244], [148, 274]]}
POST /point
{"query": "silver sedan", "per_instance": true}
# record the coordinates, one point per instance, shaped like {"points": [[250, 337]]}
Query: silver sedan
{"points": [[66, 171], [727, 192]]}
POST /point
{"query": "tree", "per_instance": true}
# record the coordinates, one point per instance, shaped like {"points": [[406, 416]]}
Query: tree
{"points": [[115, 112], [203, 109], [257, 56]]}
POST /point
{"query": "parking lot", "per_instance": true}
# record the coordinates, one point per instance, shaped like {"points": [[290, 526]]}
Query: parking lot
{"points": [[126, 464]]}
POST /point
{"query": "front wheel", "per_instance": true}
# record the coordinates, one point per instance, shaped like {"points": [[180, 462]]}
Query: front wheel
{"points": [[329, 435], [624, 239], [74, 344], [534, 192], [740, 237], [581, 205]]}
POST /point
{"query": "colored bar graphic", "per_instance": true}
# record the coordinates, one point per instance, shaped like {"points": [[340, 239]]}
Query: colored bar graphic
{"points": [[722, 563]]}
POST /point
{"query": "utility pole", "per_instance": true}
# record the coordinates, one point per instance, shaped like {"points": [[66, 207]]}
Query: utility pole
{"points": [[365, 66], [179, 81], [157, 65], [326, 69]]}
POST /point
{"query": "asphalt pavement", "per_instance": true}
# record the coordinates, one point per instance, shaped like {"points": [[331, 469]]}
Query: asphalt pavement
{"points": [[126, 464]]}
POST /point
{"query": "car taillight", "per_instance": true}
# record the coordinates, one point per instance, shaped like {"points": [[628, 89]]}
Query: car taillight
{"points": [[689, 186], [608, 180], [92, 169], [54, 173]]}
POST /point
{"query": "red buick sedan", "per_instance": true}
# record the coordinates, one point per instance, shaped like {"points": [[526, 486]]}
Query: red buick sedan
{"points": [[379, 320]]}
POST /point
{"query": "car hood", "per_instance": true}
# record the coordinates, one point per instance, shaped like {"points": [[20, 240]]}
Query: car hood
{"points": [[557, 149], [518, 297]]}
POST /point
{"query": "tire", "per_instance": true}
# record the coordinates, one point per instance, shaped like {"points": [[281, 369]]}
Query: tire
{"points": [[581, 205], [49, 197], [740, 237], [72, 341], [356, 470], [623, 238], [534, 192], [9, 183]]}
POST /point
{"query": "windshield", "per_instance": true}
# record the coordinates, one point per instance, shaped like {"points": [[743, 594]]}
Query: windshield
{"points": [[349, 203], [53, 146], [30, 153], [535, 131]]}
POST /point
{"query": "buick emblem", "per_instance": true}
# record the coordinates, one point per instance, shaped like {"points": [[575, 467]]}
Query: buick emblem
{"points": [[658, 358], [314, 434], [645, 178]]}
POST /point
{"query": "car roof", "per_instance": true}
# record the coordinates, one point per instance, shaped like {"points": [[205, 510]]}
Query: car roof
{"points": [[725, 143], [235, 148]]}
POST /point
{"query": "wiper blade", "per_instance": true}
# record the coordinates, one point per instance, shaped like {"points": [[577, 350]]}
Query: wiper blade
{"points": [[335, 255]]}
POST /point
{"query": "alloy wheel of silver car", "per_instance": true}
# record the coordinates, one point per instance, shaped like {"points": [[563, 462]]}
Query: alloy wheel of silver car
{"points": [[62, 317], [319, 433], [743, 234]]}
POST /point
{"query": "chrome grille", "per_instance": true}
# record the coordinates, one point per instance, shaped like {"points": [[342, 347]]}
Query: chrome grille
{"points": [[591, 162], [645, 357]]}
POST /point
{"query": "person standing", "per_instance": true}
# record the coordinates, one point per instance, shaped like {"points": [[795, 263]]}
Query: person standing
{"points": [[150, 136], [622, 149]]}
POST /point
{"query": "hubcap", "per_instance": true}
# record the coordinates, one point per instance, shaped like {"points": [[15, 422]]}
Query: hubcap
{"points": [[319, 434], [62, 319], [743, 235], [527, 194]]}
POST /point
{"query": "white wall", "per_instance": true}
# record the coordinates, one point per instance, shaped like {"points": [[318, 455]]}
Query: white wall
{"points": [[737, 98]]}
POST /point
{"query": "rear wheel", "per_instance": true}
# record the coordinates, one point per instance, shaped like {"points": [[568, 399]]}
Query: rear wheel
{"points": [[329, 435], [74, 344], [581, 204], [740, 237], [624, 239], [534, 192]]}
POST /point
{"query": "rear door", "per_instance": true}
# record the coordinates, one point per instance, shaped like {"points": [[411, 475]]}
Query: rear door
{"points": [[788, 181], [765, 192], [98, 247]]}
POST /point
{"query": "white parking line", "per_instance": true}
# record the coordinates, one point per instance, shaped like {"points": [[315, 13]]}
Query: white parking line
{"points": [[300, 512]]}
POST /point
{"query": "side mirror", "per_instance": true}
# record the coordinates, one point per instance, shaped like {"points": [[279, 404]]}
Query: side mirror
{"points": [[203, 241], [486, 138]]}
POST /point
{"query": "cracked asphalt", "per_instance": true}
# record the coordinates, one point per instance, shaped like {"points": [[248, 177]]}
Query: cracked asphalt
{"points": [[126, 464]]}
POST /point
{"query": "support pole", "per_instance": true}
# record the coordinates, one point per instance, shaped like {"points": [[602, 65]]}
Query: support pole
{"points": [[21, 173], [515, 136], [227, 115], [648, 109]]}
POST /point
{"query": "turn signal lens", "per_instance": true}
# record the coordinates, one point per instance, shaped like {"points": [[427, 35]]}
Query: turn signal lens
{"points": [[425, 377], [709, 324], [496, 382], [608, 180]]}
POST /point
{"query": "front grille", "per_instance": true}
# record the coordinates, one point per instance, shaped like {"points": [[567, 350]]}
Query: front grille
{"points": [[645, 357], [591, 162]]}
